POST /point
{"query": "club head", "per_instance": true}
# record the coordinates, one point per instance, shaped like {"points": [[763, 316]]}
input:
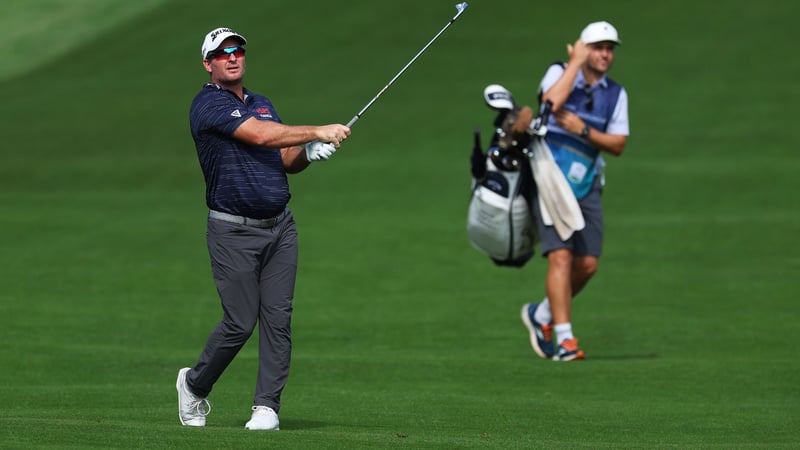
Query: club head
{"points": [[498, 98], [539, 130], [461, 7]]}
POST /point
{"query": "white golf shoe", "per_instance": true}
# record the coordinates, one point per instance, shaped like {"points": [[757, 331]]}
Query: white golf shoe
{"points": [[264, 418], [192, 410]]}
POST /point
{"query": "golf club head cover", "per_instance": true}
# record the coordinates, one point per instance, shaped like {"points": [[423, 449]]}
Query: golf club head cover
{"points": [[498, 98]]}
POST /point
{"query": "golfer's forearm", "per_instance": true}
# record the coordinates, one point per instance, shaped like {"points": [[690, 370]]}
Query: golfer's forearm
{"points": [[273, 134], [294, 159]]}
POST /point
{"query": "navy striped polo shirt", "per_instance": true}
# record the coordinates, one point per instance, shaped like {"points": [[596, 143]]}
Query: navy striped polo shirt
{"points": [[241, 179]]}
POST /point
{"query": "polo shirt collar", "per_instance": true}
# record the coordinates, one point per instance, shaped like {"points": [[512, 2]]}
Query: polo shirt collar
{"points": [[580, 81], [222, 88]]}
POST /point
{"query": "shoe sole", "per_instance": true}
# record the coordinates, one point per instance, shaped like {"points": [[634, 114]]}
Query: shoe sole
{"points": [[262, 429], [526, 319], [573, 357]]}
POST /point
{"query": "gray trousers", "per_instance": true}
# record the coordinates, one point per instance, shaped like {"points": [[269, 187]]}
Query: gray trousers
{"points": [[254, 270]]}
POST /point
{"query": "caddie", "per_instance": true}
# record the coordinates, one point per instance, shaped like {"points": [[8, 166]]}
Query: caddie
{"points": [[590, 116]]}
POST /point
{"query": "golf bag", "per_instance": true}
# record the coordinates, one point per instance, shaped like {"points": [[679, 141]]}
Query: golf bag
{"points": [[500, 221]]}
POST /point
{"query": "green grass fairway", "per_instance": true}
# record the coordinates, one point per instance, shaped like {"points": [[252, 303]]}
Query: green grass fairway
{"points": [[39, 31], [404, 335]]}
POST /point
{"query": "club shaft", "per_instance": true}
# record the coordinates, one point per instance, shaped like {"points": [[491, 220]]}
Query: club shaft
{"points": [[364, 109]]}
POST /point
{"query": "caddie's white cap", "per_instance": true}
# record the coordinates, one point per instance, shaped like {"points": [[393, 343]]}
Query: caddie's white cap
{"points": [[215, 37], [600, 32]]}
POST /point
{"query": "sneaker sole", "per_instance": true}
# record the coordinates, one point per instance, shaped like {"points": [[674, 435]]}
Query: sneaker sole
{"points": [[532, 331], [573, 357], [262, 429]]}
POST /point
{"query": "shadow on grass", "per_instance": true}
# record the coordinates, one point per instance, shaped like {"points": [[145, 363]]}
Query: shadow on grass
{"points": [[294, 424], [286, 425], [622, 357]]}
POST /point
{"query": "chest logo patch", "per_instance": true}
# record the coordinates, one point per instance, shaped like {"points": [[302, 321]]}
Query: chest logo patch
{"points": [[264, 112], [236, 113]]}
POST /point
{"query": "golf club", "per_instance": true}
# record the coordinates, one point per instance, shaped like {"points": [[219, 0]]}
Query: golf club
{"points": [[460, 8]]}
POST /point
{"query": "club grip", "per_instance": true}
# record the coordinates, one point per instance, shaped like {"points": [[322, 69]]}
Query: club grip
{"points": [[548, 108], [540, 124], [352, 121]]}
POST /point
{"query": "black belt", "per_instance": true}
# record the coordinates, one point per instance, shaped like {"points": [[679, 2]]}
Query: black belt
{"points": [[258, 223]]}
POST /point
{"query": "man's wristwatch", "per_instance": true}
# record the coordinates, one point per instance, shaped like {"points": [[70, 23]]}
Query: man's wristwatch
{"points": [[585, 131]]}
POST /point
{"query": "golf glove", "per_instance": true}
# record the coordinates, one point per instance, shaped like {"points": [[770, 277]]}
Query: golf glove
{"points": [[319, 151]]}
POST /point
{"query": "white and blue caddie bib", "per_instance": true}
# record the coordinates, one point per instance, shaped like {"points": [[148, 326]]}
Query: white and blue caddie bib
{"points": [[577, 157]]}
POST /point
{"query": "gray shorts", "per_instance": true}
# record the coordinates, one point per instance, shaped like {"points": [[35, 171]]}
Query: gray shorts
{"points": [[586, 242]]}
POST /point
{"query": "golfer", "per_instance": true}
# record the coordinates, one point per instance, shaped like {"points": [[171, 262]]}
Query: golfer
{"points": [[590, 116], [245, 152]]}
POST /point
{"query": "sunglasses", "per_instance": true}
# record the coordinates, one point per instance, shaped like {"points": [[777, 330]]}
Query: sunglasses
{"points": [[589, 93], [225, 53]]}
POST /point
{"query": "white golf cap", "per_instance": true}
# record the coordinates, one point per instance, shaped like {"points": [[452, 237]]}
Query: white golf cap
{"points": [[600, 32], [215, 37]]}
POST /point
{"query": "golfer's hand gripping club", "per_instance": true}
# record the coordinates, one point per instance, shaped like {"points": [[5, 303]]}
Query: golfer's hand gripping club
{"points": [[328, 139]]}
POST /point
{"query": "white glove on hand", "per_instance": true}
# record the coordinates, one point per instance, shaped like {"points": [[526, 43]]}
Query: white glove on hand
{"points": [[319, 151]]}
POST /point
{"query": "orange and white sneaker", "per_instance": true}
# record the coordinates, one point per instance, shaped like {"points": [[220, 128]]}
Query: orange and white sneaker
{"points": [[568, 350]]}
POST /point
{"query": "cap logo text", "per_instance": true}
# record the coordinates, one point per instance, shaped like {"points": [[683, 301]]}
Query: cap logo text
{"points": [[216, 33]]}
